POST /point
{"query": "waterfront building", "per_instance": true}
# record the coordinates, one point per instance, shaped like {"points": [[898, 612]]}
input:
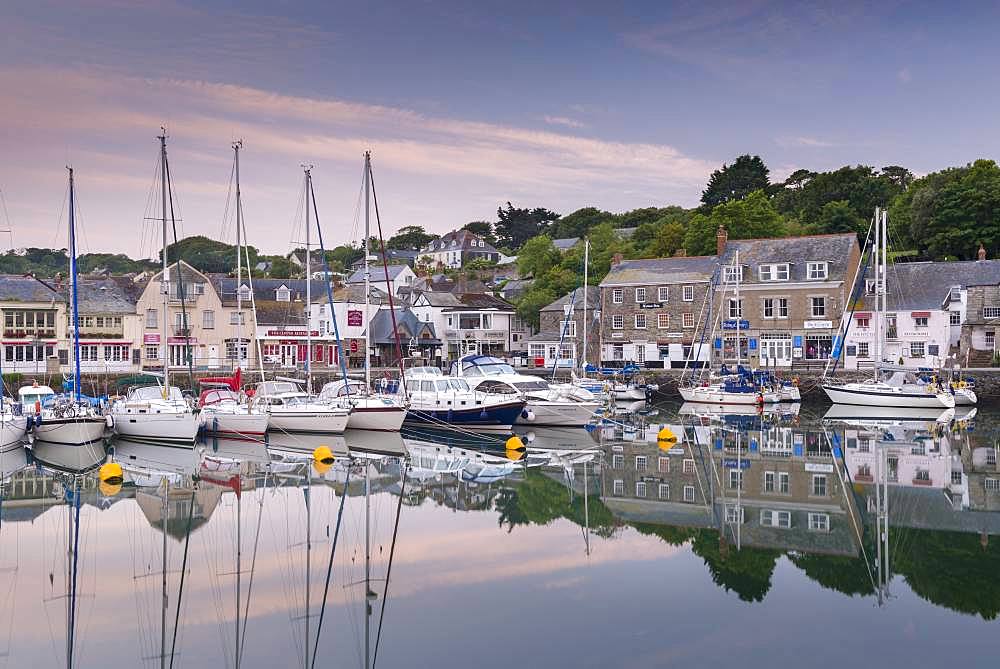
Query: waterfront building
{"points": [[556, 329], [34, 314], [111, 329], [651, 310], [457, 248]]}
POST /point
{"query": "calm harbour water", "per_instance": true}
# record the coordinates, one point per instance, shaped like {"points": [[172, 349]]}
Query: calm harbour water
{"points": [[593, 549]]}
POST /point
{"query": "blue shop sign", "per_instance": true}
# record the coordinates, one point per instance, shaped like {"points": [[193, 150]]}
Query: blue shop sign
{"points": [[734, 463], [732, 324]]}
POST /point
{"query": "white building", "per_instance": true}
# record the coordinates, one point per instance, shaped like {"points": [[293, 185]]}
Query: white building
{"points": [[456, 248], [401, 276]]}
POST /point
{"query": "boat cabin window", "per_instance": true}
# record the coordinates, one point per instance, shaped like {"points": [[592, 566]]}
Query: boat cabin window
{"points": [[496, 387], [427, 386], [150, 393], [217, 396], [443, 385], [459, 384], [413, 386], [276, 388], [486, 366], [531, 385]]}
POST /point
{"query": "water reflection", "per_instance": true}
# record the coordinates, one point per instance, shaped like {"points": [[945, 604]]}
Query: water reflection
{"points": [[248, 553]]}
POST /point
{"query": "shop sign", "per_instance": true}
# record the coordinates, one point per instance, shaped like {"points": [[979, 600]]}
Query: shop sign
{"points": [[817, 325], [151, 338], [743, 324], [819, 468], [355, 318]]}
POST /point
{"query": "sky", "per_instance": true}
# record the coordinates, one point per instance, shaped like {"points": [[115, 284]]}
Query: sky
{"points": [[464, 106]]}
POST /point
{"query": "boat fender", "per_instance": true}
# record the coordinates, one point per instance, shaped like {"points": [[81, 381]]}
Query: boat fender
{"points": [[109, 420], [38, 419], [528, 415]]}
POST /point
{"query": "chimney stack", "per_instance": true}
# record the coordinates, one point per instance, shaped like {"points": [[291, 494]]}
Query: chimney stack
{"points": [[616, 259], [981, 254], [721, 237]]}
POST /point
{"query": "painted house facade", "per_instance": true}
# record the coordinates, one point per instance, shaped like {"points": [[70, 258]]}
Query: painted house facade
{"points": [[110, 326], [400, 276], [480, 323], [559, 340], [34, 319], [457, 248]]}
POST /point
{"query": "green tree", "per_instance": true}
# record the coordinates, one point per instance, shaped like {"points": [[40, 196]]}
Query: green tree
{"points": [[516, 226], [860, 186], [751, 218], [483, 229], [531, 302], [839, 216], [735, 182], [699, 238], [537, 257], [410, 237], [282, 268], [207, 255], [579, 222]]}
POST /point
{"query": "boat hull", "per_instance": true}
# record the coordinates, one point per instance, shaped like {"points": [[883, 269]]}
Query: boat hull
{"points": [[180, 427], [12, 432], [629, 394], [871, 397], [965, 397], [497, 416], [558, 414], [70, 431], [714, 395], [308, 421], [377, 418], [235, 425]]}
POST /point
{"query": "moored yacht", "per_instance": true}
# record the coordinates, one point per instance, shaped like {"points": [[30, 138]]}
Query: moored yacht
{"points": [[900, 389], [556, 404], [225, 412], [155, 413], [445, 401], [13, 426], [369, 411], [290, 409]]}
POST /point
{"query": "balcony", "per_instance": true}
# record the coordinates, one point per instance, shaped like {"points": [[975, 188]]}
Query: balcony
{"points": [[490, 336], [21, 333], [922, 481]]}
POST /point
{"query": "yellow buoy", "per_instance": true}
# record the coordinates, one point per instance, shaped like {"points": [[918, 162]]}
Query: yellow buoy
{"points": [[666, 434], [322, 466], [111, 473], [323, 455], [514, 444], [109, 489], [514, 455]]}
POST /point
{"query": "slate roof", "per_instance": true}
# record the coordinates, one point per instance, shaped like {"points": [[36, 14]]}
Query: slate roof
{"points": [[377, 273], [437, 299], [517, 286], [566, 243], [406, 320], [264, 289], [481, 301], [104, 296], [395, 257], [593, 300], [834, 249], [926, 285], [464, 239], [653, 271], [19, 288], [270, 312]]}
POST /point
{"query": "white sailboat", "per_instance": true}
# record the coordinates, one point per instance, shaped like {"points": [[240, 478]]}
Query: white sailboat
{"points": [[70, 420], [900, 388], [158, 412], [13, 423]]}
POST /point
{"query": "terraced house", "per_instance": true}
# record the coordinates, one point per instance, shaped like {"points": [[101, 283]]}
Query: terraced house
{"points": [[651, 310], [34, 313], [792, 295]]}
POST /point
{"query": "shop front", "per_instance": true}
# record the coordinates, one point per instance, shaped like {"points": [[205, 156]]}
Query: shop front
{"points": [[292, 348]]}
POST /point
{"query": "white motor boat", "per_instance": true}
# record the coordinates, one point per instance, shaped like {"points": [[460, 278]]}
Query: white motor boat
{"points": [[155, 413], [369, 411], [559, 405], [226, 413], [442, 401], [13, 427], [60, 419], [291, 410], [726, 393], [901, 389]]}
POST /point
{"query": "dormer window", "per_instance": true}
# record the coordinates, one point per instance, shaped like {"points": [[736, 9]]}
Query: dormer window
{"points": [[816, 270], [283, 294], [731, 273], [773, 272], [869, 286], [244, 292], [454, 243]]}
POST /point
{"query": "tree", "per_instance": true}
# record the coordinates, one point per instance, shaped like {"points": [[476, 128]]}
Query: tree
{"points": [[838, 216], [482, 229], [860, 186], [900, 176], [410, 237], [798, 179], [579, 222], [207, 255], [734, 182], [516, 225], [537, 257], [699, 238], [282, 268]]}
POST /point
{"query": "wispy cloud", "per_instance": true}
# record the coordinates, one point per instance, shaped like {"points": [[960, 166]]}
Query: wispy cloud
{"points": [[802, 141], [564, 121]]}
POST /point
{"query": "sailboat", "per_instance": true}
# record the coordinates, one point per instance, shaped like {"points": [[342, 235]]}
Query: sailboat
{"points": [[900, 388], [369, 410], [13, 424], [69, 419], [224, 410], [158, 412], [289, 409], [732, 388]]}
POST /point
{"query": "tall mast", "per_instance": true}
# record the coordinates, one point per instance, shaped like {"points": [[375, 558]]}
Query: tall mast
{"points": [[309, 380], [739, 312], [163, 575], [72, 273], [586, 322], [237, 145], [368, 564], [364, 247], [876, 259], [165, 281]]}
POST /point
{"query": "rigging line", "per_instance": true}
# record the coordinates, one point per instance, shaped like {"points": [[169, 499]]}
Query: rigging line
{"points": [[385, 267], [241, 642], [329, 566], [76, 557], [388, 569], [180, 587], [229, 196], [180, 276]]}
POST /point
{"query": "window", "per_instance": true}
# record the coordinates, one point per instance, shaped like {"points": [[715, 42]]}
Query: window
{"points": [[920, 321], [618, 295], [88, 353], [687, 320], [819, 522], [640, 463], [689, 493], [818, 307], [732, 273], [664, 491], [782, 307], [283, 294], [618, 352], [736, 479], [687, 293], [735, 308], [99, 321], [640, 488], [640, 351], [152, 352], [917, 349], [991, 312], [688, 467], [778, 272], [863, 349], [663, 321], [151, 318], [734, 513], [640, 321], [768, 307], [816, 270], [244, 292], [769, 481], [617, 322], [954, 318], [569, 327], [771, 518], [663, 465], [238, 349], [818, 485], [208, 319], [992, 485], [956, 477], [619, 487], [117, 321], [990, 337], [783, 483], [662, 294], [618, 461], [640, 295], [863, 321]]}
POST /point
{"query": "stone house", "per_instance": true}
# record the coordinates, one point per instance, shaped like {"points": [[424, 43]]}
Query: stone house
{"points": [[651, 310], [34, 314], [977, 342], [792, 295], [555, 327]]}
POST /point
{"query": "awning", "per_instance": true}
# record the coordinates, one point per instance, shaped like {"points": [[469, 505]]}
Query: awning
{"points": [[920, 314], [862, 314]]}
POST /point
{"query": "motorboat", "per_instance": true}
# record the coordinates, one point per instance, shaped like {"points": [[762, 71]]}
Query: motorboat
{"points": [[564, 405], [61, 419], [292, 410], [369, 411], [447, 401], [900, 389], [155, 413], [226, 412]]}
